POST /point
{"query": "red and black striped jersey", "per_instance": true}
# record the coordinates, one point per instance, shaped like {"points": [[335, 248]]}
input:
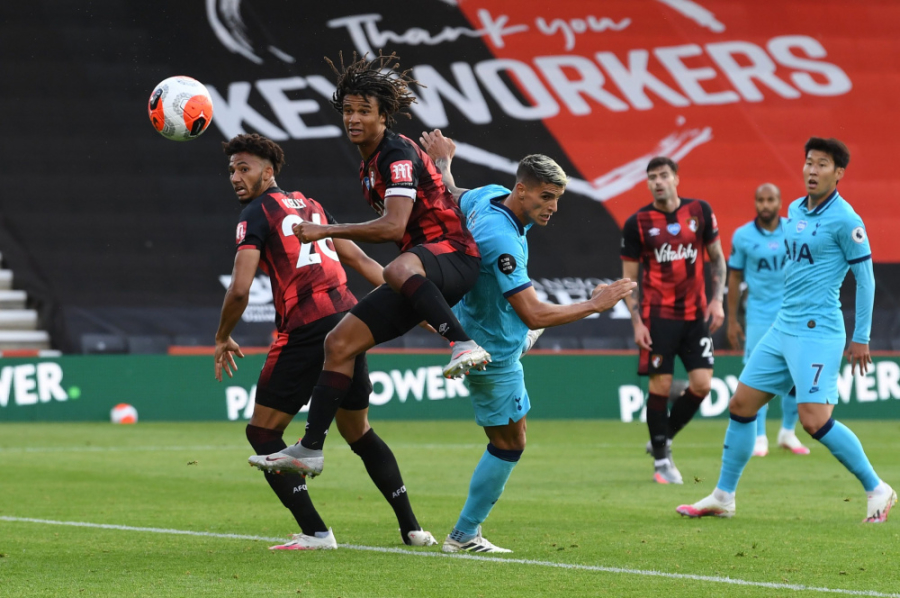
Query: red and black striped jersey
{"points": [[308, 280], [399, 167], [670, 247]]}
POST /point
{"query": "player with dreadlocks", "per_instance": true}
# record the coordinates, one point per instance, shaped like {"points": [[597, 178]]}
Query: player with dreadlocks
{"points": [[438, 264]]}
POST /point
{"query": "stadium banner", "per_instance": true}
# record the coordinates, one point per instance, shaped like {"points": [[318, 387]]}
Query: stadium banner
{"points": [[407, 386]]}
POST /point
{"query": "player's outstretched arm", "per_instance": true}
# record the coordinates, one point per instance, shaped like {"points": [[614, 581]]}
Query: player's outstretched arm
{"points": [[441, 150], [352, 255], [537, 314], [236, 297], [715, 314], [735, 331], [389, 227]]}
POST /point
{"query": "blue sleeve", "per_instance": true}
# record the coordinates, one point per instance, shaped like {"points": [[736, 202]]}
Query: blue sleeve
{"points": [[865, 299], [504, 255], [854, 244], [738, 258]]}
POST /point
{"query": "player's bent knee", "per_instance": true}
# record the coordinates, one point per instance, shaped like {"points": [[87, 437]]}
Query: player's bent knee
{"points": [[339, 347]]}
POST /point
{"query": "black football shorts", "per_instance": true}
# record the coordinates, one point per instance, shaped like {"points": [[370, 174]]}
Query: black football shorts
{"points": [[293, 366], [688, 339], [389, 314]]}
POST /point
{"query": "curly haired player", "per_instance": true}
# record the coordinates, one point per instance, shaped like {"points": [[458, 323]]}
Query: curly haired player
{"points": [[438, 262], [310, 294]]}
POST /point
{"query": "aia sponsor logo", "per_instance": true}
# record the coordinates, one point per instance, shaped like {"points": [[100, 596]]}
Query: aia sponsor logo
{"points": [[241, 231], [401, 172]]}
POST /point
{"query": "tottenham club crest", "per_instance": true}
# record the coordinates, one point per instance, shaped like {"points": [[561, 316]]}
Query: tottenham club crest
{"points": [[506, 263]]}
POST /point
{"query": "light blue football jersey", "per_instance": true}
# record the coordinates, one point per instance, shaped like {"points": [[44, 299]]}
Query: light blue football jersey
{"points": [[760, 255], [485, 314], [821, 245]]}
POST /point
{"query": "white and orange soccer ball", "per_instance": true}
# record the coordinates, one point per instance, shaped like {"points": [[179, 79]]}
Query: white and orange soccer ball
{"points": [[180, 108], [123, 413]]}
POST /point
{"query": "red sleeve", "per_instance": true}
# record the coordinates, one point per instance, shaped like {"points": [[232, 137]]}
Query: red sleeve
{"points": [[253, 227], [632, 247]]}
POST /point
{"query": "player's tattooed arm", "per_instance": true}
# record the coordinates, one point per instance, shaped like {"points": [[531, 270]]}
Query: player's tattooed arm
{"points": [[441, 150], [719, 268], [642, 338], [715, 314]]}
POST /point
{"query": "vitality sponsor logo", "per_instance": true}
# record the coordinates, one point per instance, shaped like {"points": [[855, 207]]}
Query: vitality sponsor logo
{"points": [[667, 253]]}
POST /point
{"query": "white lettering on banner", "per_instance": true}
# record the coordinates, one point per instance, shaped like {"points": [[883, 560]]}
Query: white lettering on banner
{"points": [[423, 383], [762, 68], [689, 78], [234, 111], [231, 114], [288, 110], [466, 96], [544, 105], [29, 384], [365, 35], [632, 80], [49, 382], [25, 385], [631, 401], [881, 382], [838, 81], [590, 83], [666, 253], [569, 28]]}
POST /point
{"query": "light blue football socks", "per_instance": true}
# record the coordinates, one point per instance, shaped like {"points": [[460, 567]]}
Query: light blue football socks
{"points": [[739, 440], [846, 447], [488, 482]]}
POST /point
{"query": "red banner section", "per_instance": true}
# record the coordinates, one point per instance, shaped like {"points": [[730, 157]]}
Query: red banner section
{"points": [[731, 89]]}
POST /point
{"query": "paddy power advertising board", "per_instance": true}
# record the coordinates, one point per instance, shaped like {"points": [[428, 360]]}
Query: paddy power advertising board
{"points": [[405, 387]]}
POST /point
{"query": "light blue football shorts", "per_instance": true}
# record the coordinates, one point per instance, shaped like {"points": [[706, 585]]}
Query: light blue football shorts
{"points": [[753, 334], [781, 361], [498, 394]]}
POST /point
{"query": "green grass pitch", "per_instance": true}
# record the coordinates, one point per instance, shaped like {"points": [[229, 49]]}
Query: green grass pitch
{"points": [[580, 513]]}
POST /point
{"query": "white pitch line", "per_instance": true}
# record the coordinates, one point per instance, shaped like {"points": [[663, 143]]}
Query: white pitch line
{"points": [[473, 557], [111, 449]]}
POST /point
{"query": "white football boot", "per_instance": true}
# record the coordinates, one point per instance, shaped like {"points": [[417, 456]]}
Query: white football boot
{"points": [[304, 542], [295, 459]]}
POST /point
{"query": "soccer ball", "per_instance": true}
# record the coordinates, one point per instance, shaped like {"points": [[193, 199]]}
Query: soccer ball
{"points": [[123, 413], [180, 108]]}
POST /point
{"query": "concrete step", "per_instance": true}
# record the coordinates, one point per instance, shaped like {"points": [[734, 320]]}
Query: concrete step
{"points": [[6, 279], [18, 319], [24, 339], [13, 299]]}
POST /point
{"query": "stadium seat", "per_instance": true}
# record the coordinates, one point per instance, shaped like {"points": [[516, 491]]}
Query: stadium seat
{"points": [[144, 345], [103, 343], [604, 342], [558, 343]]}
